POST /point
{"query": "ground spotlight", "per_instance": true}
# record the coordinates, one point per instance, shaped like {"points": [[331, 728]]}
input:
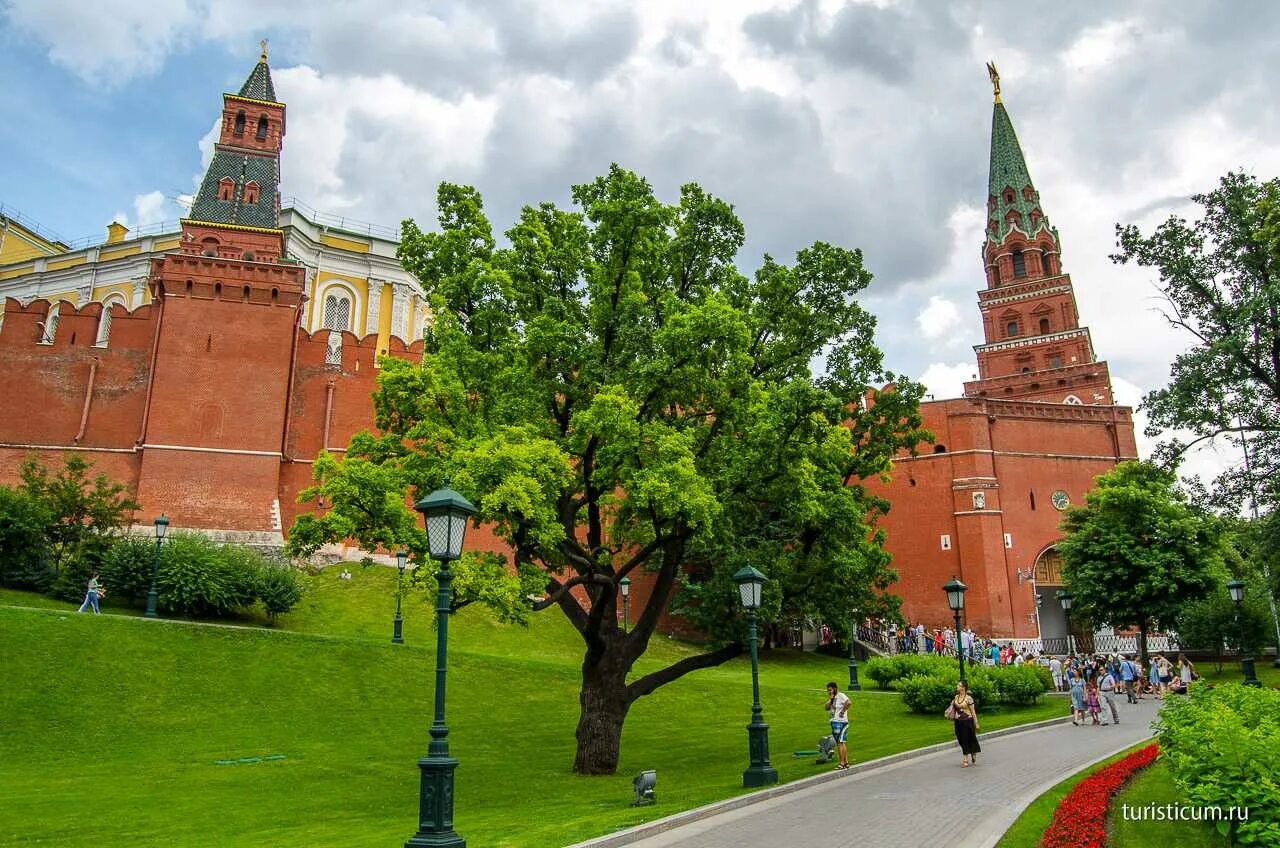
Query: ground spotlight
{"points": [[644, 784]]}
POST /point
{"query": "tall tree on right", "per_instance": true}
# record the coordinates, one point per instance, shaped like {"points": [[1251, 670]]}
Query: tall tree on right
{"points": [[1137, 552], [1220, 279]]}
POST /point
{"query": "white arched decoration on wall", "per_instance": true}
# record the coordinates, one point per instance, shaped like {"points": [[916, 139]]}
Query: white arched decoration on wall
{"points": [[334, 286], [49, 331], [1072, 400], [337, 312], [104, 321]]}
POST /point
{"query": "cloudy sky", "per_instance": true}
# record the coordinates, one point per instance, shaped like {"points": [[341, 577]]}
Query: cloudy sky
{"points": [[861, 123]]}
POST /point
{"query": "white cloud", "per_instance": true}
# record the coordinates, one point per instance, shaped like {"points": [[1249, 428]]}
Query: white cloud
{"points": [[104, 43], [150, 208], [943, 380], [938, 319]]}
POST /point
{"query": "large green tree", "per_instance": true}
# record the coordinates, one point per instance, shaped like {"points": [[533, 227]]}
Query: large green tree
{"points": [[1220, 280], [617, 398], [1136, 552]]}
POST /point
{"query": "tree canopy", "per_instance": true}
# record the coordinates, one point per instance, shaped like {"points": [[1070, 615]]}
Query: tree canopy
{"points": [[1136, 552], [618, 399], [1220, 279]]}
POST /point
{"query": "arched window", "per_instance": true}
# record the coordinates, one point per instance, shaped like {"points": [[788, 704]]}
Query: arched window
{"points": [[251, 192], [50, 329], [226, 188], [337, 317], [262, 127], [1072, 400], [1044, 326], [209, 247], [1019, 264], [1011, 329], [104, 322], [240, 122]]}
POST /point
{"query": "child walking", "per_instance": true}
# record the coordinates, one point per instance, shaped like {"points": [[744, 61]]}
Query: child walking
{"points": [[1092, 701]]}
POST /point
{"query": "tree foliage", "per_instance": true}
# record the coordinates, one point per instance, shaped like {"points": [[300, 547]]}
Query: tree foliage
{"points": [[617, 398], [1136, 552], [1220, 279]]}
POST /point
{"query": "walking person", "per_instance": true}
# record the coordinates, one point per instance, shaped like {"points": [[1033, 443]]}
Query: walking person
{"points": [[1128, 681], [92, 594], [1165, 670], [1092, 702], [838, 709], [964, 716], [1107, 689], [1153, 677], [1075, 683], [1055, 670]]}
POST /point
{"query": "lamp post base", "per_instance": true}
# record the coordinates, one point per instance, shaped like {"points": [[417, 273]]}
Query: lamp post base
{"points": [[396, 636], [854, 685], [435, 822], [151, 605], [760, 772], [1250, 676]]}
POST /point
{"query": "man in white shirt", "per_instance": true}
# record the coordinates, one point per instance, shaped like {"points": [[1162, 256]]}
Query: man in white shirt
{"points": [[1055, 669], [1107, 689], [838, 708]]}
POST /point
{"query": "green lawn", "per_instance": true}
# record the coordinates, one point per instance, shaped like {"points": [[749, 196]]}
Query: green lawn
{"points": [[1231, 672], [112, 726], [1155, 785], [1031, 825]]}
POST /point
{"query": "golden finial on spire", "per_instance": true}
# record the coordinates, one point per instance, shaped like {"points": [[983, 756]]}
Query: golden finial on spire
{"points": [[995, 78], [263, 44]]}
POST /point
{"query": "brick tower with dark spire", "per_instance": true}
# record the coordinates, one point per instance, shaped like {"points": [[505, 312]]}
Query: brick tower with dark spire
{"points": [[1035, 348], [230, 304]]}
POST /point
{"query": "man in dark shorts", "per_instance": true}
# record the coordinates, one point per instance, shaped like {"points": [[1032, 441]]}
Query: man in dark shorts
{"points": [[838, 708]]}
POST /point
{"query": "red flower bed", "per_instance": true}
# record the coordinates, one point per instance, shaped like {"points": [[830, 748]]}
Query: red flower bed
{"points": [[1081, 818]]}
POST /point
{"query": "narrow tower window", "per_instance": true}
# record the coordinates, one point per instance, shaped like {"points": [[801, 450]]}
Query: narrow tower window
{"points": [[262, 127], [240, 122], [1044, 326], [1019, 264], [1011, 329], [251, 192], [226, 188]]}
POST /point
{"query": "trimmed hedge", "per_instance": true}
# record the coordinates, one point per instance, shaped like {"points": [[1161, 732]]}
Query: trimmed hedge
{"points": [[200, 577], [1223, 749], [927, 683]]}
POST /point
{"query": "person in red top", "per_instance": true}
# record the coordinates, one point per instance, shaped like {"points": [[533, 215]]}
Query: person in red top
{"points": [[937, 642]]}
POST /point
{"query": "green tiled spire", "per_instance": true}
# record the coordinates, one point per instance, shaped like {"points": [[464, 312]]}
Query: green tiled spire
{"points": [[1009, 171], [241, 168], [259, 86]]}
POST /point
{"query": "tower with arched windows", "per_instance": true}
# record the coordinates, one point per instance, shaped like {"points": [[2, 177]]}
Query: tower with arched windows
{"points": [[1034, 348]]}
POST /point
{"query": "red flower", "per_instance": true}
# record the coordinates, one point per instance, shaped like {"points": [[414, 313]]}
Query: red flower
{"points": [[1081, 818]]}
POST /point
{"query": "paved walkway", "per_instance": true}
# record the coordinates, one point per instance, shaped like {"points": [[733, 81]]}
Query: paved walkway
{"points": [[927, 801]]}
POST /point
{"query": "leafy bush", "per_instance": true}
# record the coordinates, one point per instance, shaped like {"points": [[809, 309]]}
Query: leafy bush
{"points": [[126, 568], [279, 588], [930, 693], [1223, 749], [885, 670], [924, 693], [1018, 684], [24, 553]]}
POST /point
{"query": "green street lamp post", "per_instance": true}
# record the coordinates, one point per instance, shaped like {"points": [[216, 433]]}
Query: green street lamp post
{"points": [[854, 685], [162, 527], [624, 586], [955, 599], [397, 635], [1236, 588], [1066, 599], [445, 514], [760, 772]]}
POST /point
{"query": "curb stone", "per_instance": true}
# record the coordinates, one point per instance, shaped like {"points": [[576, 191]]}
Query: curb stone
{"points": [[662, 825]]}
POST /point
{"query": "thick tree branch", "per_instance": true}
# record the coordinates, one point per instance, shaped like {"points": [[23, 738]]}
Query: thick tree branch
{"points": [[651, 681]]}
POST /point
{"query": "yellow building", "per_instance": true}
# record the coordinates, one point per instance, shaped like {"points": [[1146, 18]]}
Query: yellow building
{"points": [[354, 281]]}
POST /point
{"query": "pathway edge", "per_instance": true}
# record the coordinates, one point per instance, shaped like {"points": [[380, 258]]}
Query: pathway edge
{"points": [[662, 825]]}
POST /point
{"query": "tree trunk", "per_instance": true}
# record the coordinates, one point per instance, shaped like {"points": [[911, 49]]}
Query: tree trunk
{"points": [[604, 703]]}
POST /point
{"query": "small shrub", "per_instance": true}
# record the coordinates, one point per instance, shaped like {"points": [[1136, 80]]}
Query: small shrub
{"points": [[1018, 684], [927, 694], [885, 670], [24, 553], [279, 589], [126, 568]]}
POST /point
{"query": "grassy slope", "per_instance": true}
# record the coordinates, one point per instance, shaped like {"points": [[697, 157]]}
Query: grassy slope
{"points": [[112, 727], [1155, 786]]}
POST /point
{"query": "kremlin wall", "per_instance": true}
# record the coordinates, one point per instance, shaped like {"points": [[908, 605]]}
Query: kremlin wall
{"points": [[207, 364]]}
